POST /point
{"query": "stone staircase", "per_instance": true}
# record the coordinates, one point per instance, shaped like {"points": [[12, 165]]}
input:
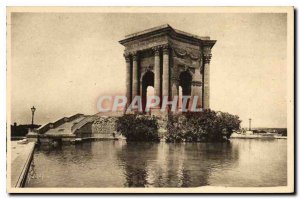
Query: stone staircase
{"points": [[98, 126], [60, 129]]}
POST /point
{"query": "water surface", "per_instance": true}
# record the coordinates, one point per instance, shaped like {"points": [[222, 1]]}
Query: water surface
{"points": [[240, 163]]}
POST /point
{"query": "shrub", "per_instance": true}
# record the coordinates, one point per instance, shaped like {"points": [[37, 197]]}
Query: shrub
{"points": [[208, 126], [138, 127]]}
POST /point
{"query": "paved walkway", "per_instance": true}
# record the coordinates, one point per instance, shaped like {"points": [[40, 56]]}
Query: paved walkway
{"points": [[21, 155]]}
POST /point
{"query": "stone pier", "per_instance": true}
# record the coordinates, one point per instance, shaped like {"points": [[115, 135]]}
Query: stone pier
{"points": [[21, 156]]}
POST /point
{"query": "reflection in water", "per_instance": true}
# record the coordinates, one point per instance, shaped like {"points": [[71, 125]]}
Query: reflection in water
{"points": [[173, 165], [134, 159], [121, 164]]}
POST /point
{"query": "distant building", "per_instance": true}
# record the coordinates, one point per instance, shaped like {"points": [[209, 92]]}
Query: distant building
{"points": [[259, 131], [21, 130]]}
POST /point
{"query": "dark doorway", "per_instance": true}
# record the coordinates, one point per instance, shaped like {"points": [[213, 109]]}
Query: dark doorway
{"points": [[148, 80], [185, 82]]}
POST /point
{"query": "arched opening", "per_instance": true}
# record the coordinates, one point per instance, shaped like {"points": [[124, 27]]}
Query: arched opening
{"points": [[147, 87], [185, 82]]}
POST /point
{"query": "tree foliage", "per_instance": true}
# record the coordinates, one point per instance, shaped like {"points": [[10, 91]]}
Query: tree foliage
{"points": [[138, 127], [206, 126]]}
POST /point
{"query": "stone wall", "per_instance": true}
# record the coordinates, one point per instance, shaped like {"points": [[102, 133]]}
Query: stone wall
{"points": [[104, 127], [85, 131]]}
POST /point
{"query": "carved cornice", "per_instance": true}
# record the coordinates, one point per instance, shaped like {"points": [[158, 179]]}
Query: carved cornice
{"points": [[166, 30]]}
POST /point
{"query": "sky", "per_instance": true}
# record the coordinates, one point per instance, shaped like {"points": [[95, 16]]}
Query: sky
{"points": [[63, 62]]}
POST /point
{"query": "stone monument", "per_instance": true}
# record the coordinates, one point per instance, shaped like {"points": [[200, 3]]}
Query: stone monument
{"points": [[166, 59]]}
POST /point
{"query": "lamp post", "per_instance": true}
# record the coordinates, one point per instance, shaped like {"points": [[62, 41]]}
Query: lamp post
{"points": [[32, 111], [250, 124]]}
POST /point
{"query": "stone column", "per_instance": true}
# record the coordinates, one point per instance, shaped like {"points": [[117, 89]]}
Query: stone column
{"points": [[197, 91], [207, 57], [175, 87], [166, 68], [156, 72], [197, 87], [128, 78], [135, 79], [175, 90]]}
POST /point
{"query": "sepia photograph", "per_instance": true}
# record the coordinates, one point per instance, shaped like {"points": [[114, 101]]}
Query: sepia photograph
{"points": [[150, 100]]}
